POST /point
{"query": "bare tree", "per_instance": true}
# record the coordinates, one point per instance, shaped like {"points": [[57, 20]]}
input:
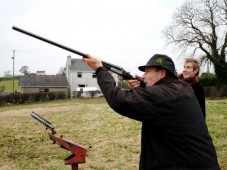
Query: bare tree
{"points": [[201, 25], [7, 74], [61, 71], [24, 70]]}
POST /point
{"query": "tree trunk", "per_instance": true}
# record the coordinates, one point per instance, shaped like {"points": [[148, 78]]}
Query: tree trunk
{"points": [[221, 73]]}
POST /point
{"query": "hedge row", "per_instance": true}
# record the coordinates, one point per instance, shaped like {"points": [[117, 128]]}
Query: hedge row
{"points": [[214, 92], [8, 78], [19, 98], [208, 81]]}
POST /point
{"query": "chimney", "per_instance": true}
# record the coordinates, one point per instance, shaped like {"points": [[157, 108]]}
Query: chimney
{"points": [[69, 63]]}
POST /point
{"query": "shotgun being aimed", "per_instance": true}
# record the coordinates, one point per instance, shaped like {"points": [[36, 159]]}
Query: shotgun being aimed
{"points": [[114, 68]]}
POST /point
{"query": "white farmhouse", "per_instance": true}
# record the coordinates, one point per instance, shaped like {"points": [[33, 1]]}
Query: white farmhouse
{"points": [[80, 76]]}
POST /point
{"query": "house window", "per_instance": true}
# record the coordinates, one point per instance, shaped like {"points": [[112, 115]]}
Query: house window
{"points": [[81, 85], [45, 90], [79, 74], [93, 75]]}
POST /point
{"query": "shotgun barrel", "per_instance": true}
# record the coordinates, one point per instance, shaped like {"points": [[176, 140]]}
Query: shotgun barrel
{"points": [[114, 68]]}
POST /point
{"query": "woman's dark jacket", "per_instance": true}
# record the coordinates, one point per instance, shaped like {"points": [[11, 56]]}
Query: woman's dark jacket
{"points": [[174, 133]]}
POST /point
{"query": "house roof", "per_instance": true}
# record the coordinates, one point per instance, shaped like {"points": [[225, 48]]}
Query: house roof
{"points": [[33, 80], [79, 65]]}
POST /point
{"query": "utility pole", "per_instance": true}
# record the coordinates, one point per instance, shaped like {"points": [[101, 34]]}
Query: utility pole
{"points": [[13, 68]]}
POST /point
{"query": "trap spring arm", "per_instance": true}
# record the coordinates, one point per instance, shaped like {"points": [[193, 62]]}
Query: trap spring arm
{"points": [[45, 122], [114, 68], [78, 152]]}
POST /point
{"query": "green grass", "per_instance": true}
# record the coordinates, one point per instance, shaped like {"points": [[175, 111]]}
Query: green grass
{"points": [[9, 85], [217, 123], [115, 140]]}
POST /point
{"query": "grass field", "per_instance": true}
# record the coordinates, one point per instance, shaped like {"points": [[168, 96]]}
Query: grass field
{"points": [[9, 85], [115, 140]]}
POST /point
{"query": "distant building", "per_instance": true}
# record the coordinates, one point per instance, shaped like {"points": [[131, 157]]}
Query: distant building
{"points": [[80, 75], [33, 83], [40, 73]]}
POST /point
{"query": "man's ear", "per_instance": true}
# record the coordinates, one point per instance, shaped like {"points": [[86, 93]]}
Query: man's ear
{"points": [[196, 71], [163, 74]]}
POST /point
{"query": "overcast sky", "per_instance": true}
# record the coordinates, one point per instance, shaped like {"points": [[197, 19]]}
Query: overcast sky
{"points": [[124, 32]]}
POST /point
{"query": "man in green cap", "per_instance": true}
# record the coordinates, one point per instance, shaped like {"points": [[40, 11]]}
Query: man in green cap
{"points": [[174, 134]]}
